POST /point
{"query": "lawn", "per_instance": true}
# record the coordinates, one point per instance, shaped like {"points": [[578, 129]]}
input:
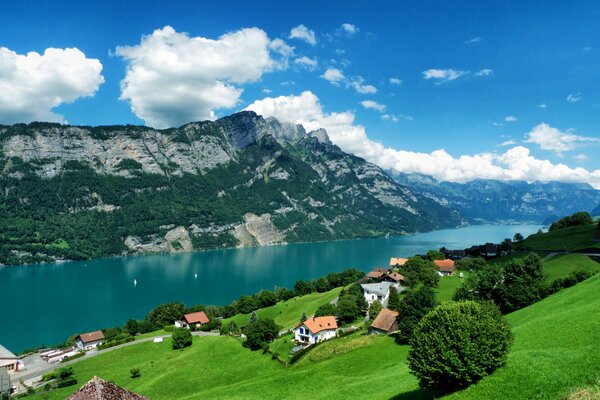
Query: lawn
{"points": [[283, 345], [448, 285], [563, 265], [572, 239], [288, 313]]}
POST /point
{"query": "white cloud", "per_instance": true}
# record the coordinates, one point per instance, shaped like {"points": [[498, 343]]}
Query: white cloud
{"points": [[349, 29], [506, 143], [515, 163], [510, 118], [339, 52], [357, 83], [373, 105], [396, 118], [306, 62], [33, 84], [473, 40], [549, 138], [443, 74], [267, 91], [542, 105], [580, 157], [333, 75], [395, 81], [574, 98], [173, 78], [484, 72], [301, 32]]}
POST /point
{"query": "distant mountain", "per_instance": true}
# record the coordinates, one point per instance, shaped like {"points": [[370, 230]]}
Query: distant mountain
{"points": [[596, 211], [69, 192], [491, 201]]}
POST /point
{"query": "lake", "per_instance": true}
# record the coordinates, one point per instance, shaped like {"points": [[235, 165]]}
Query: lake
{"points": [[44, 304]]}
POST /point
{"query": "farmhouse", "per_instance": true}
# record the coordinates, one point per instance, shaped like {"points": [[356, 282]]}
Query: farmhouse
{"points": [[316, 329], [99, 389], [8, 360], [384, 323], [377, 273], [196, 320], [395, 278], [376, 291], [445, 267], [89, 341], [397, 262]]}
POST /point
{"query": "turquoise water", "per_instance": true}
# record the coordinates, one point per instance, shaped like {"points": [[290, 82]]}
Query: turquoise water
{"points": [[44, 304]]}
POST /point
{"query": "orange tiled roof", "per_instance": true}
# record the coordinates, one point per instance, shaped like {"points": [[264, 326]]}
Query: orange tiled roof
{"points": [[318, 324], [91, 336], [384, 320], [445, 265], [398, 261], [196, 318], [375, 274], [396, 276]]}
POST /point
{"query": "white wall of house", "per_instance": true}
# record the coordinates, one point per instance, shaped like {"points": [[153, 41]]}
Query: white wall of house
{"points": [[304, 335], [88, 346], [371, 297]]}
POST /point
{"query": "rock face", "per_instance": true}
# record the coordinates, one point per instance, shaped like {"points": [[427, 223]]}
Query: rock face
{"points": [[238, 181]]}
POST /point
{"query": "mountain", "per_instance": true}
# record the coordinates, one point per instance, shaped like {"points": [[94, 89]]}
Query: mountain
{"points": [[491, 201], [74, 192], [596, 211]]}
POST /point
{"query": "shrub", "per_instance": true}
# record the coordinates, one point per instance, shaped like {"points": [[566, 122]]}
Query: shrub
{"points": [[260, 332], [326, 309], [65, 373], [48, 376], [169, 328], [414, 306], [70, 381], [135, 373], [457, 344], [181, 338]]}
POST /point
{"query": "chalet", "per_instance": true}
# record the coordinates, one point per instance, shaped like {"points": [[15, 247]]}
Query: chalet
{"points": [[8, 361], [377, 273], [445, 267], [99, 389], [397, 262], [196, 320], [316, 329], [384, 323], [376, 291], [89, 341], [395, 278]]}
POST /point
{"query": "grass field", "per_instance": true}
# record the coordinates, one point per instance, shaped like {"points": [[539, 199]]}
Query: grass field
{"points": [[572, 239], [288, 313], [563, 265], [448, 285]]}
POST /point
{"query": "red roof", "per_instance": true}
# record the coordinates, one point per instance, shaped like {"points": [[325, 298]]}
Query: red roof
{"points": [[385, 320], [196, 318], [445, 265], [375, 274], [92, 337], [318, 324], [395, 276]]}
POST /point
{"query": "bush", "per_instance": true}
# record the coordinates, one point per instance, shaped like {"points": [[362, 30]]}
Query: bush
{"points": [[48, 376], [326, 309], [70, 381], [414, 306], [169, 328], [260, 333], [73, 357], [577, 219], [65, 373], [457, 344], [135, 373], [115, 343], [181, 338]]}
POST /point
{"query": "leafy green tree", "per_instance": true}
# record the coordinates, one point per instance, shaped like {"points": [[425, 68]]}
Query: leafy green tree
{"points": [[326, 309], [283, 294], [435, 255], [518, 237], [132, 327], [415, 304], [471, 264], [348, 309], [303, 288], [482, 285], [260, 333], [478, 345], [182, 338], [577, 219], [253, 318], [393, 299], [266, 298], [165, 314], [418, 270], [303, 317], [374, 309], [523, 283]]}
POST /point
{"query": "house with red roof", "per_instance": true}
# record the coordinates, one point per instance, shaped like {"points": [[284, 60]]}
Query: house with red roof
{"points": [[89, 341], [196, 320], [445, 267], [316, 329], [385, 322]]}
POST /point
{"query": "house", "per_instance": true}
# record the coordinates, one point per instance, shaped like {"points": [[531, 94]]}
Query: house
{"points": [[99, 389], [377, 273], [196, 319], [316, 329], [395, 278], [455, 254], [397, 262], [384, 323], [491, 250], [445, 267], [89, 341], [8, 361], [376, 291]]}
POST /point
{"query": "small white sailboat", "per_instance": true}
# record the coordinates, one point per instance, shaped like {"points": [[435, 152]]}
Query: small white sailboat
{"points": [[135, 282], [195, 276]]}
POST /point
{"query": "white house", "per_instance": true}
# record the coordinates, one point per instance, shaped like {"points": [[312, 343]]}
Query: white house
{"points": [[376, 291], [8, 361], [89, 341], [196, 319], [316, 329]]}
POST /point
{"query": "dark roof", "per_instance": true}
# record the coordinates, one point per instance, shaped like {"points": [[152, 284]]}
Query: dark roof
{"points": [[395, 276], [99, 389], [385, 320], [91, 336]]}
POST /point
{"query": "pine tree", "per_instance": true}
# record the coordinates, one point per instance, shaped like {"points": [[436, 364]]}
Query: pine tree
{"points": [[303, 317], [253, 317], [393, 299]]}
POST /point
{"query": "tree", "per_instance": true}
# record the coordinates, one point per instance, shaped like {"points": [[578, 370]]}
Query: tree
{"points": [[132, 327], [518, 237], [482, 285], [302, 287], [253, 317], [303, 317], [418, 270], [374, 309], [283, 294], [182, 338], [393, 299], [348, 309], [165, 314], [135, 373], [260, 333], [266, 298], [478, 345], [326, 309], [471, 264], [414, 305], [577, 219], [523, 283], [435, 255]]}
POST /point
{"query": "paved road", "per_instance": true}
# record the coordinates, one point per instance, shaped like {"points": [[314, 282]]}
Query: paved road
{"points": [[36, 366]]}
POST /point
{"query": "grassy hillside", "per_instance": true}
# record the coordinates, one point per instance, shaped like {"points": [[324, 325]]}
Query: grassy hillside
{"points": [[571, 239], [288, 313], [563, 265]]}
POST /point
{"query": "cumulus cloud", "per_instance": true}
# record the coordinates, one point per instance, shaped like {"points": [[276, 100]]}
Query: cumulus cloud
{"points": [[515, 163], [484, 72], [373, 105], [301, 32], [395, 81], [506, 143], [396, 118], [173, 78], [580, 157], [333, 76], [31, 85], [550, 138], [474, 40], [510, 118], [542, 105], [306, 62], [574, 98], [349, 29], [443, 74], [358, 84]]}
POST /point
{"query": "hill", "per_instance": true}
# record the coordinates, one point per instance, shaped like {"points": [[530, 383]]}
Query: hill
{"points": [[76, 192], [577, 238]]}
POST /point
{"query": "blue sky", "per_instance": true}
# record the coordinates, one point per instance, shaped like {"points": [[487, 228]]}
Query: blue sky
{"points": [[477, 80]]}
